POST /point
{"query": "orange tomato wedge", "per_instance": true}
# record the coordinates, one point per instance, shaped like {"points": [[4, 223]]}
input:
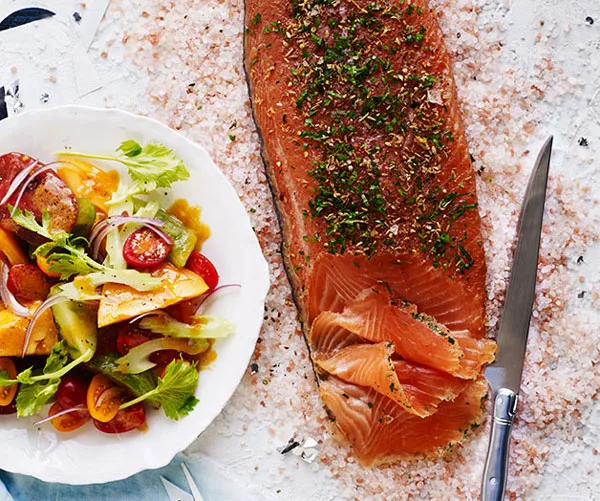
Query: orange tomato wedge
{"points": [[103, 398], [7, 393], [68, 422], [44, 265]]}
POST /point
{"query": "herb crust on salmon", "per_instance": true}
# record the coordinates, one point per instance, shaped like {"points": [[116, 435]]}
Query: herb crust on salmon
{"points": [[368, 161]]}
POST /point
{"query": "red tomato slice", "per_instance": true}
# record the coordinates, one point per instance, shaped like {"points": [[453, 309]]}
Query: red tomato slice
{"points": [[126, 420], [145, 249], [202, 266], [72, 391], [103, 398], [164, 357], [7, 393], [26, 281], [185, 310], [130, 337], [8, 409], [68, 422]]}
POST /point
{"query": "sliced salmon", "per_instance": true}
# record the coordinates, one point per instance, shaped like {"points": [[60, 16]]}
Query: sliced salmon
{"points": [[425, 387], [375, 317], [380, 431], [415, 337], [369, 166], [478, 352], [370, 365], [417, 389], [328, 335]]}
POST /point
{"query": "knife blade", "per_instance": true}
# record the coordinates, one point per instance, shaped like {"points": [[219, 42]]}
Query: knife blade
{"points": [[24, 16], [505, 373]]}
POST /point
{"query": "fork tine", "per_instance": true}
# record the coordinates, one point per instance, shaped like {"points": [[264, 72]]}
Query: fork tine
{"points": [[193, 487]]}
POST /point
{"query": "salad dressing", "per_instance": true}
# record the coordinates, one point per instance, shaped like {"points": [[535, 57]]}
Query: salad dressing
{"points": [[88, 181], [206, 358], [189, 215]]}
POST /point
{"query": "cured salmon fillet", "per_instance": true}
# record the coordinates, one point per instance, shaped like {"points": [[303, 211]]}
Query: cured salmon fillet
{"points": [[381, 431], [367, 158]]}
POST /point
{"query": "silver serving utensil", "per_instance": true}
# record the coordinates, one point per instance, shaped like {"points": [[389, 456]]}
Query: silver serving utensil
{"points": [[504, 374], [176, 493]]}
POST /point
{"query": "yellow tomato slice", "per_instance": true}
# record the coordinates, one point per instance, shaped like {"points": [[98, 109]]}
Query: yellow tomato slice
{"points": [[103, 398], [67, 422]]}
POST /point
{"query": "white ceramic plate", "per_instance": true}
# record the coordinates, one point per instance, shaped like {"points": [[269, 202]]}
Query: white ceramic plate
{"points": [[88, 456]]}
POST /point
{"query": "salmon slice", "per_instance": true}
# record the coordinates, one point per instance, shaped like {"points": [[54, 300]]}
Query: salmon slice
{"points": [[478, 352], [366, 155], [370, 365], [416, 337], [425, 387], [417, 389], [380, 431], [327, 335]]}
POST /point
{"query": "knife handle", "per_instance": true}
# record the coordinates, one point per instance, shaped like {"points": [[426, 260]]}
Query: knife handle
{"points": [[496, 464]]}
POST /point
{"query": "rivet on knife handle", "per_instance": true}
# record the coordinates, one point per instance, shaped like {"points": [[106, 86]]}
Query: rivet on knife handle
{"points": [[496, 465]]}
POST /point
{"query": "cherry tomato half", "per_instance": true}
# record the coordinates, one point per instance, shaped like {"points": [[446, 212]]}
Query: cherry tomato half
{"points": [[126, 420], [144, 249], [202, 266], [7, 393], [68, 422], [72, 391], [103, 398]]}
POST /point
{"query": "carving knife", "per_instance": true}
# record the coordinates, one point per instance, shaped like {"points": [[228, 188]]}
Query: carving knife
{"points": [[504, 374]]}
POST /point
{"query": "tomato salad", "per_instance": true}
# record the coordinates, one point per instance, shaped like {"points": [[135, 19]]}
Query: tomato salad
{"points": [[102, 291]]}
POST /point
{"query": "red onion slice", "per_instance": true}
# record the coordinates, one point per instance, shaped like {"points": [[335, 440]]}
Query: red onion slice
{"points": [[97, 243], [103, 228], [28, 181], [77, 408], [108, 395], [202, 307], [14, 186], [51, 301], [160, 313], [160, 233], [10, 301]]}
